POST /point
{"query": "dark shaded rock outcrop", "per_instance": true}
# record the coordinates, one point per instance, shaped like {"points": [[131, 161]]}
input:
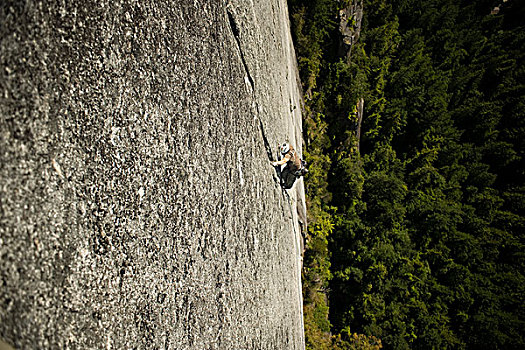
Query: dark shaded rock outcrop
{"points": [[350, 19], [138, 208]]}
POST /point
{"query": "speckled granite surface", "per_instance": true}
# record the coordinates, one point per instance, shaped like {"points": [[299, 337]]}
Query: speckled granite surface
{"points": [[137, 205]]}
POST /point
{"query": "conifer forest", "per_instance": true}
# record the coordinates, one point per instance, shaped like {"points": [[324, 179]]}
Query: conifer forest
{"points": [[415, 133]]}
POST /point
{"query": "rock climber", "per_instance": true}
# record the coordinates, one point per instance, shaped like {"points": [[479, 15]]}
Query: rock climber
{"points": [[295, 167]]}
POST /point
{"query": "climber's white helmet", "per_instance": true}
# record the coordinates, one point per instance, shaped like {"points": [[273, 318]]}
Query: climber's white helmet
{"points": [[285, 148]]}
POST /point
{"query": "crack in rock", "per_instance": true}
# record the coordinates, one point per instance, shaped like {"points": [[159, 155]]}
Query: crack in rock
{"points": [[236, 34]]}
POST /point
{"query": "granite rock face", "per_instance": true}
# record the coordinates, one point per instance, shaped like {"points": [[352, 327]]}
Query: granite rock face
{"points": [[138, 208]]}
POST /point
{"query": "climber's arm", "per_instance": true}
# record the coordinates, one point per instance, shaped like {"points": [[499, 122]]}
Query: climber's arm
{"points": [[282, 161]]}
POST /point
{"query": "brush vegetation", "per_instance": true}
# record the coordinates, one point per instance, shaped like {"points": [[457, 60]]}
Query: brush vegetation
{"points": [[416, 240]]}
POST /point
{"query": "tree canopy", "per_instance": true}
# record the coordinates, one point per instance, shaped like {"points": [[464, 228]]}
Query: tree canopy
{"points": [[417, 236]]}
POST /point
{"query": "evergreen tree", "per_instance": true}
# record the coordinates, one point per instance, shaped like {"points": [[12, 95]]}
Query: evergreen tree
{"points": [[417, 239]]}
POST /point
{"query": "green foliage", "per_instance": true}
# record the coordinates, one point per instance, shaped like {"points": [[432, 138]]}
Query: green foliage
{"points": [[416, 239], [348, 341], [313, 22]]}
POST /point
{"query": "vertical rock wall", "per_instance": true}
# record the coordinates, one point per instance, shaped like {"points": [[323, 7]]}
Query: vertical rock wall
{"points": [[138, 208]]}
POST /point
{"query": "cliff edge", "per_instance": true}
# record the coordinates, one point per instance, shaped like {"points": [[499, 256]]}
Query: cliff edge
{"points": [[138, 208]]}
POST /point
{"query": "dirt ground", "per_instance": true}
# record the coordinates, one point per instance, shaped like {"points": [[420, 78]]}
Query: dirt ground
{"points": [[138, 206]]}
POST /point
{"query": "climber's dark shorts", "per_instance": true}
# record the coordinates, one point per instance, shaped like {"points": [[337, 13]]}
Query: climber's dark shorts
{"points": [[287, 178]]}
